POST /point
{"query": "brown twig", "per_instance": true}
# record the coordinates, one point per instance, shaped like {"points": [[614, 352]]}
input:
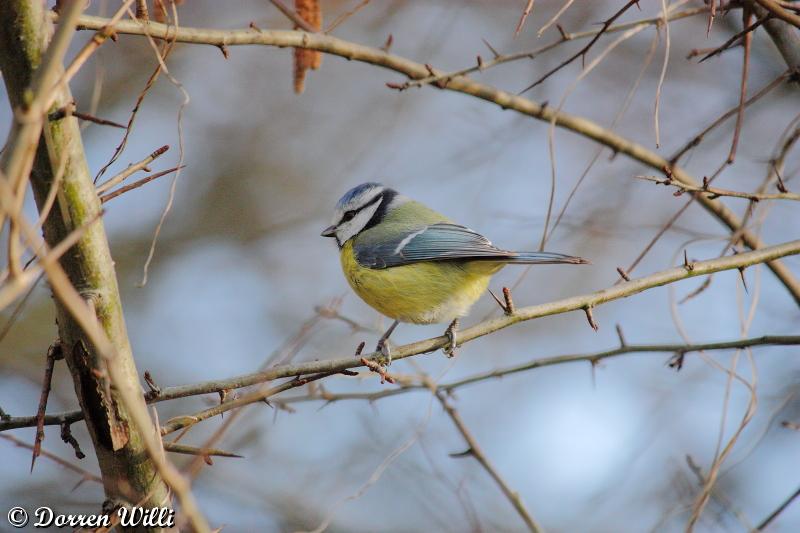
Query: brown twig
{"points": [[344, 16], [475, 451], [663, 73], [335, 46], [664, 228], [70, 110], [85, 474], [174, 447], [583, 51], [714, 192], [293, 16], [509, 302], [136, 184], [181, 422], [555, 18], [748, 40], [542, 362], [697, 139], [131, 169], [53, 353], [66, 436], [748, 30], [590, 318], [524, 16], [783, 14], [711, 15], [170, 393], [499, 59], [91, 46], [774, 514], [378, 369]]}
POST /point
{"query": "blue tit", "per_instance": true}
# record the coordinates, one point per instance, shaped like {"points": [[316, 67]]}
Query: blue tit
{"points": [[413, 264]]}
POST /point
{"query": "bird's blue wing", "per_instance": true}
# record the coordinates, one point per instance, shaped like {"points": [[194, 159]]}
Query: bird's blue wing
{"points": [[436, 242]]}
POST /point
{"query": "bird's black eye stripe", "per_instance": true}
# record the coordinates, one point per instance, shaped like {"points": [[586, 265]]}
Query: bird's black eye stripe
{"points": [[349, 215]]}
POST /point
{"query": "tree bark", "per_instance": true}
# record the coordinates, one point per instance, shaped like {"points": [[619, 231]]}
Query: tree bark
{"points": [[784, 35], [129, 475]]}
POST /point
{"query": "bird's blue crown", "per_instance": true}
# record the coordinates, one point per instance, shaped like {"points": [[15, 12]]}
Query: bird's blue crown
{"points": [[357, 191]]}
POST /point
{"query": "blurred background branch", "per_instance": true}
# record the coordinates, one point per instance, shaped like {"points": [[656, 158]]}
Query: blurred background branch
{"points": [[590, 447]]}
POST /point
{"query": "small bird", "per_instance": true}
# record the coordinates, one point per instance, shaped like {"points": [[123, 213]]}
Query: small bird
{"points": [[413, 264]]}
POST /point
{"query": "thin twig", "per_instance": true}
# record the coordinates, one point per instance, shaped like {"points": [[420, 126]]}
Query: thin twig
{"points": [[131, 169], [169, 393], [69, 110], [582, 52], [555, 17], [344, 16], [194, 450], [748, 40], [748, 30], [294, 17], [697, 139], [181, 422], [774, 514], [500, 59], [591, 358], [376, 56], [715, 192], [783, 14], [139, 183], [524, 16], [663, 73], [522, 314], [53, 353], [475, 451], [85, 474]]}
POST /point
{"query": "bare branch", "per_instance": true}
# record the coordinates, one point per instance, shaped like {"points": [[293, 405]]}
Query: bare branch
{"points": [[320, 369], [525, 13], [375, 56], [591, 358], [783, 14], [583, 51], [715, 192], [475, 451], [132, 168], [774, 514], [138, 183]]}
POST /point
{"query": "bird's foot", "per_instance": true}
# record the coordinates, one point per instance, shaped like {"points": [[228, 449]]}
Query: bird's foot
{"points": [[383, 345], [452, 334], [385, 350]]}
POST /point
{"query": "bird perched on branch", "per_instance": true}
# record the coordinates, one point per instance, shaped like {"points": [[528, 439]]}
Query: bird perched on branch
{"points": [[413, 264]]}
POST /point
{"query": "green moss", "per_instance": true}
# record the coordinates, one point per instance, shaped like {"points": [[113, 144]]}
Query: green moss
{"points": [[128, 471]]}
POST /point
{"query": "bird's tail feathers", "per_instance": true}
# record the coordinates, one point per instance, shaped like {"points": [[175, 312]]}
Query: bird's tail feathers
{"points": [[545, 258]]}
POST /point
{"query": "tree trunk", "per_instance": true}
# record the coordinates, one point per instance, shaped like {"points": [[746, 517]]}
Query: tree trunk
{"points": [[128, 473]]}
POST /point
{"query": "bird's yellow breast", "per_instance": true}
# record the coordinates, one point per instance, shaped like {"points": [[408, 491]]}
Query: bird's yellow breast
{"points": [[422, 293]]}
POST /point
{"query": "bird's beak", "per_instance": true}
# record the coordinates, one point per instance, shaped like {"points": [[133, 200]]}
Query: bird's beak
{"points": [[330, 231]]}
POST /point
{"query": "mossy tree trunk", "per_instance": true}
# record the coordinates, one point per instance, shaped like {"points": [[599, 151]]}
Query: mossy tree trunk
{"points": [[128, 472]]}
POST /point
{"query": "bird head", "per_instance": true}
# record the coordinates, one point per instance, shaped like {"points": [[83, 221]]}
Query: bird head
{"points": [[362, 207]]}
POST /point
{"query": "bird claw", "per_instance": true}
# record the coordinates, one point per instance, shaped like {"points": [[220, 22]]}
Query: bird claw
{"points": [[452, 334], [386, 352]]}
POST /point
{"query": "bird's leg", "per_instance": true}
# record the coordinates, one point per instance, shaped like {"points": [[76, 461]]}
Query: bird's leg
{"points": [[383, 344], [451, 333]]}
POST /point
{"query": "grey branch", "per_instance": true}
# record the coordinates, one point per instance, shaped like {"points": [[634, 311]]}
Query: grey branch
{"points": [[714, 191], [462, 84], [575, 303]]}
